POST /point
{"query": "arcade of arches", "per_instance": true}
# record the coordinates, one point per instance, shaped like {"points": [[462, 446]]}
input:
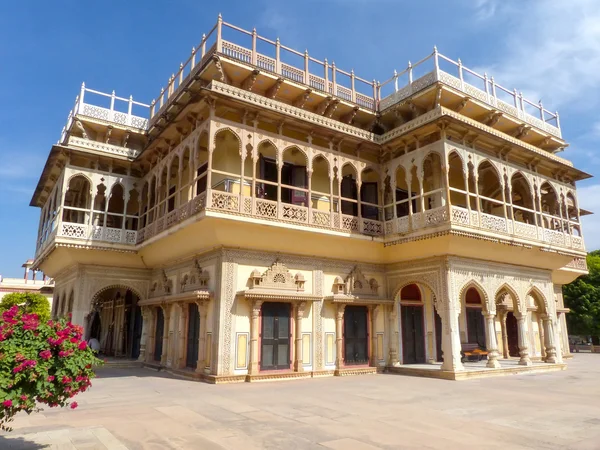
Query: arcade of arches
{"points": [[288, 319]]}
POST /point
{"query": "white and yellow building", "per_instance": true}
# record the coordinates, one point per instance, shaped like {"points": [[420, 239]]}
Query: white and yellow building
{"points": [[269, 219]]}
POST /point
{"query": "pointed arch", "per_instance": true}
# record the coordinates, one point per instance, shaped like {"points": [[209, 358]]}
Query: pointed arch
{"points": [[517, 306], [473, 284], [539, 298]]}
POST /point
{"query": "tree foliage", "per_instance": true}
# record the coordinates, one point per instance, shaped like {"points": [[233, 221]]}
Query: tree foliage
{"points": [[28, 302], [582, 296], [40, 363]]}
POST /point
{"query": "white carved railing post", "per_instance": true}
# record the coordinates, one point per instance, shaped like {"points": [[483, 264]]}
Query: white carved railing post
{"points": [[541, 111], [494, 91], [516, 99], [395, 80], [557, 120], [487, 86], [326, 77], [81, 95], [410, 73], [333, 79], [219, 34], [254, 46], [461, 75], [203, 50], [112, 106], [193, 58], [152, 105], [352, 84], [278, 56], [436, 63], [180, 74], [306, 73]]}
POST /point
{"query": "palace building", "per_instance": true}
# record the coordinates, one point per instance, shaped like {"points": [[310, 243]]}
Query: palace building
{"points": [[270, 215]]}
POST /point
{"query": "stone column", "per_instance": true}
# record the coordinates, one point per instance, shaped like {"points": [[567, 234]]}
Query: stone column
{"points": [[254, 332], [373, 311], [393, 357], [145, 328], [165, 347], [505, 349], [202, 313], [491, 342], [541, 327], [151, 334], [523, 347], [451, 347], [298, 343], [339, 339], [549, 340], [181, 351]]}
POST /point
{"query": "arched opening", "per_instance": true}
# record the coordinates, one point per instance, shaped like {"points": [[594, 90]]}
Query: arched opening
{"points": [[432, 181], [456, 178], [132, 211], [118, 320], [403, 194], [348, 190], [490, 190], [267, 171], [77, 200], [550, 207], [415, 191], [369, 194], [536, 304], [116, 207], [99, 205], [320, 185], [185, 190], [523, 209], [572, 210], [173, 187], [226, 163], [474, 316], [201, 161], [508, 310], [294, 178], [413, 325]]}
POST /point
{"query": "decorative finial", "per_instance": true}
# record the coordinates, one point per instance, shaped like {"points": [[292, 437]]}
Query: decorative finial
{"points": [[193, 50], [459, 62], [220, 17], [203, 36], [83, 84], [435, 49], [395, 73], [351, 71], [409, 64], [254, 30], [306, 52]]}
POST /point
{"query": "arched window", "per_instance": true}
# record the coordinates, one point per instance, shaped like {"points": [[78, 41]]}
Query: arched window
{"points": [[226, 163], [456, 177], [349, 192], [490, 189], [77, 200], [369, 194], [402, 193], [294, 178], [475, 322], [410, 292], [99, 205], [320, 184], [267, 171], [522, 199], [116, 207], [432, 181], [201, 161], [550, 207]]}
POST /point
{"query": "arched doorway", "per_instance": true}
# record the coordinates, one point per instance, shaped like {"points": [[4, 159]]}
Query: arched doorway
{"points": [[512, 334], [508, 310], [356, 346], [413, 326], [475, 321], [116, 321]]}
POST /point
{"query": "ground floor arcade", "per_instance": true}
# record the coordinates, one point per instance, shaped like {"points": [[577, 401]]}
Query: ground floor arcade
{"points": [[234, 316]]}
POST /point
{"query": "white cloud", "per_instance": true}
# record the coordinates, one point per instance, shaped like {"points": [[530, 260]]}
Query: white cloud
{"points": [[551, 47], [589, 198]]}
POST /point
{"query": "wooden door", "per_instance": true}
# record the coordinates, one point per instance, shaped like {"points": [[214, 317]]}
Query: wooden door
{"points": [[438, 337], [275, 336], [475, 327], [299, 180], [193, 335], [413, 338], [349, 191], [158, 335], [356, 336], [512, 332]]}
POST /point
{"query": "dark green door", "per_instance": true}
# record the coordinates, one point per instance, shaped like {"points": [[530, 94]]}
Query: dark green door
{"points": [[160, 329], [413, 338], [438, 337], [356, 337], [275, 336], [475, 327], [192, 336]]}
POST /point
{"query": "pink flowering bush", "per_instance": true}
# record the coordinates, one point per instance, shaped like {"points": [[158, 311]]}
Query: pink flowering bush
{"points": [[40, 363]]}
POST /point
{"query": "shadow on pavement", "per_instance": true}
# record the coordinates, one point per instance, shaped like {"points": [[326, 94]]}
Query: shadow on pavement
{"points": [[19, 443]]}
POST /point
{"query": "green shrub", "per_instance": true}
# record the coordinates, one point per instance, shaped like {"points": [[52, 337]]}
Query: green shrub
{"points": [[28, 302]]}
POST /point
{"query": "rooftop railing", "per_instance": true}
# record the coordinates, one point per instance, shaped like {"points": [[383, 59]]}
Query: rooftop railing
{"points": [[108, 107], [271, 56]]}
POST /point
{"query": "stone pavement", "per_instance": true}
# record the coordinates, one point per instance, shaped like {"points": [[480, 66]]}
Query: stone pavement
{"points": [[142, 409]]}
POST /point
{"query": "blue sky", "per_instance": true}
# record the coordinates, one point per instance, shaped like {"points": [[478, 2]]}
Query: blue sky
{"points": [[549, 49]]}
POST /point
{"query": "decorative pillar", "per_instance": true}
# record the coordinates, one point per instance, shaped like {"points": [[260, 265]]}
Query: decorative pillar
{"points": [[166, 325], [523, 347], [298, 342], [254, 332], [339, 340], [393, 357], [202, 313], [145, 328], [541, 327], [505, 352], [181, 353], [491, 342], [150, 345], [450, 309], [549, 340], [373, 311]]}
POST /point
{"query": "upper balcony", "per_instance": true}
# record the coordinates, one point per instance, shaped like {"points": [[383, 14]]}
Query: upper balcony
{"points": [[256, 55]]}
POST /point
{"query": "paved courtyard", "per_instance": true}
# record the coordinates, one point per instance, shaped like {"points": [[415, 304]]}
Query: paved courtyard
{"points": [[142, 409]]}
